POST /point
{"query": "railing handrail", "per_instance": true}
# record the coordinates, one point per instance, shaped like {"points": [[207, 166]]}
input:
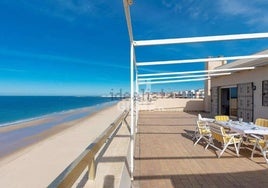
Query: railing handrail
{"points": [[87, 158]]}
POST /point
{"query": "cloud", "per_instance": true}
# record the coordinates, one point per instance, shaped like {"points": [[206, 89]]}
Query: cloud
{"points": [[70, 10], [190, 8], [172, 18], [254, 12], [234, 7], [251, 13], [175, 6]]}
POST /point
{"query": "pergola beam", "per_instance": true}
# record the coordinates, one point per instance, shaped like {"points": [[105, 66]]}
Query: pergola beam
{"points": [[173, 81], [196, 72], [128, 18], [200, 60], [200, 39], [187, 76]]}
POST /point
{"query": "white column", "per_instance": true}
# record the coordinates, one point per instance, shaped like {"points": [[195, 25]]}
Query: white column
{"points": [[137, 103], [132, 110]]}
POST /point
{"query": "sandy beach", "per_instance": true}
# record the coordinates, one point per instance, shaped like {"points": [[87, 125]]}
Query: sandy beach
{"points": [[50, 152], [17, 136]]}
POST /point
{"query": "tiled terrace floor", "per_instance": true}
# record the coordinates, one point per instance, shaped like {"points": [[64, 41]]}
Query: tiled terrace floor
{"points": [[165, 157]]}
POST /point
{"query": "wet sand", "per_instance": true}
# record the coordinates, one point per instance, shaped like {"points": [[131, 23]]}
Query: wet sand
{"points": [[48, 153], [17, 136]]}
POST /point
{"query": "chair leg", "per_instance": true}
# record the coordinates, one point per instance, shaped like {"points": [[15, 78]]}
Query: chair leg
{"points": [[253, 150], [239, 144], [222, 151], [226, 145], [207, 145], [210, 142], [263, 151], [265, 157], [237, 148], [198, 140]]}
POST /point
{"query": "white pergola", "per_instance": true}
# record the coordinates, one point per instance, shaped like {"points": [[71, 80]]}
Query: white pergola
{"points": [[137, 79]]}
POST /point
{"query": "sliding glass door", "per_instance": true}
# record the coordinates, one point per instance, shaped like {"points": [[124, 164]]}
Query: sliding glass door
{"points": [[228, 101]]}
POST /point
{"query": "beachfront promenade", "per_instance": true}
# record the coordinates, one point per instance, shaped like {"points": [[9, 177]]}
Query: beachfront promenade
{"points": [[39, 164], [166, 157]]}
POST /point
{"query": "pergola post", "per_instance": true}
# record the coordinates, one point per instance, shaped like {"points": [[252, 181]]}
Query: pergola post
{"points": [[132, 98], [137, 101]]}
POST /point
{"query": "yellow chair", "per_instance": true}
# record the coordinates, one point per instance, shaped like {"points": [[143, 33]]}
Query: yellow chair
{"points": [[261, 122], [221, 118], [218, 133], [260, 142], [202, 132]]}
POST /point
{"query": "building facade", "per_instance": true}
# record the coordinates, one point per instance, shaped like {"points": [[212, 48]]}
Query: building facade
{"points": [[243, 94]]}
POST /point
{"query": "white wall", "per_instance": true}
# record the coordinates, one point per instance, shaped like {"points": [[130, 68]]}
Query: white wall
{"points": [[210, 65], [176, 104]]}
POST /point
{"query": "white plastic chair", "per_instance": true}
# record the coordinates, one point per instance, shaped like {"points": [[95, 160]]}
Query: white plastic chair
{"points": [[260, 142], [202, 132], [218, 133], [200, 118]]}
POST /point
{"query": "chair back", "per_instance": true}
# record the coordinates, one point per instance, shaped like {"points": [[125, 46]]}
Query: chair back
{"points": [[221, 118], [218, 133], [199, 117], [262, 122], [202, 127]]}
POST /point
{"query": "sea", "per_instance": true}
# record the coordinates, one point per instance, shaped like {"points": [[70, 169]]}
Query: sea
{"points": [[17, 109]]}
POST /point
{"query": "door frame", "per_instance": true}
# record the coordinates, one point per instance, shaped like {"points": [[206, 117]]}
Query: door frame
{"points": [[220, 99]]}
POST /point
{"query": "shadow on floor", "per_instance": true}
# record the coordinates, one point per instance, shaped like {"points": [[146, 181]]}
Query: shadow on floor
{"points": [[240, 179], [108, 181]]}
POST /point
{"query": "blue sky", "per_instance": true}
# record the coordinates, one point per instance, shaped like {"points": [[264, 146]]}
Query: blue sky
{"points": [[81, 47]]}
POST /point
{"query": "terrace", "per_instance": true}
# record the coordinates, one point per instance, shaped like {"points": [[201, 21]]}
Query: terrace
{"points": [[166, 157]]}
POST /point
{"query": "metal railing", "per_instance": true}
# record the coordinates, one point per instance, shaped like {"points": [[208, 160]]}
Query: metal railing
{"points": [[87, 158]]}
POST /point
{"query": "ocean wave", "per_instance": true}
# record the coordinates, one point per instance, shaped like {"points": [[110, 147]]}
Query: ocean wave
{"points": [[59, 113]]}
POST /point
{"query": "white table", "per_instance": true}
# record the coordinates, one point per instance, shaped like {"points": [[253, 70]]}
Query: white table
{"points": [[244, 128]]}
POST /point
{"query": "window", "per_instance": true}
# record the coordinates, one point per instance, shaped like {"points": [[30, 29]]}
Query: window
{"points": [[233, 92], [265, 93]]}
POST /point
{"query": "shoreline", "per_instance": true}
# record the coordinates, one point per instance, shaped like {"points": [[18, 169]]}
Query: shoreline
{"points": [[38, 164], [26, 120], [16, 137]]}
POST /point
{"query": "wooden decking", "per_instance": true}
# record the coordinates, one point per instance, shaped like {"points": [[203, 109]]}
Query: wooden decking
{"points": [[166, 157]]}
